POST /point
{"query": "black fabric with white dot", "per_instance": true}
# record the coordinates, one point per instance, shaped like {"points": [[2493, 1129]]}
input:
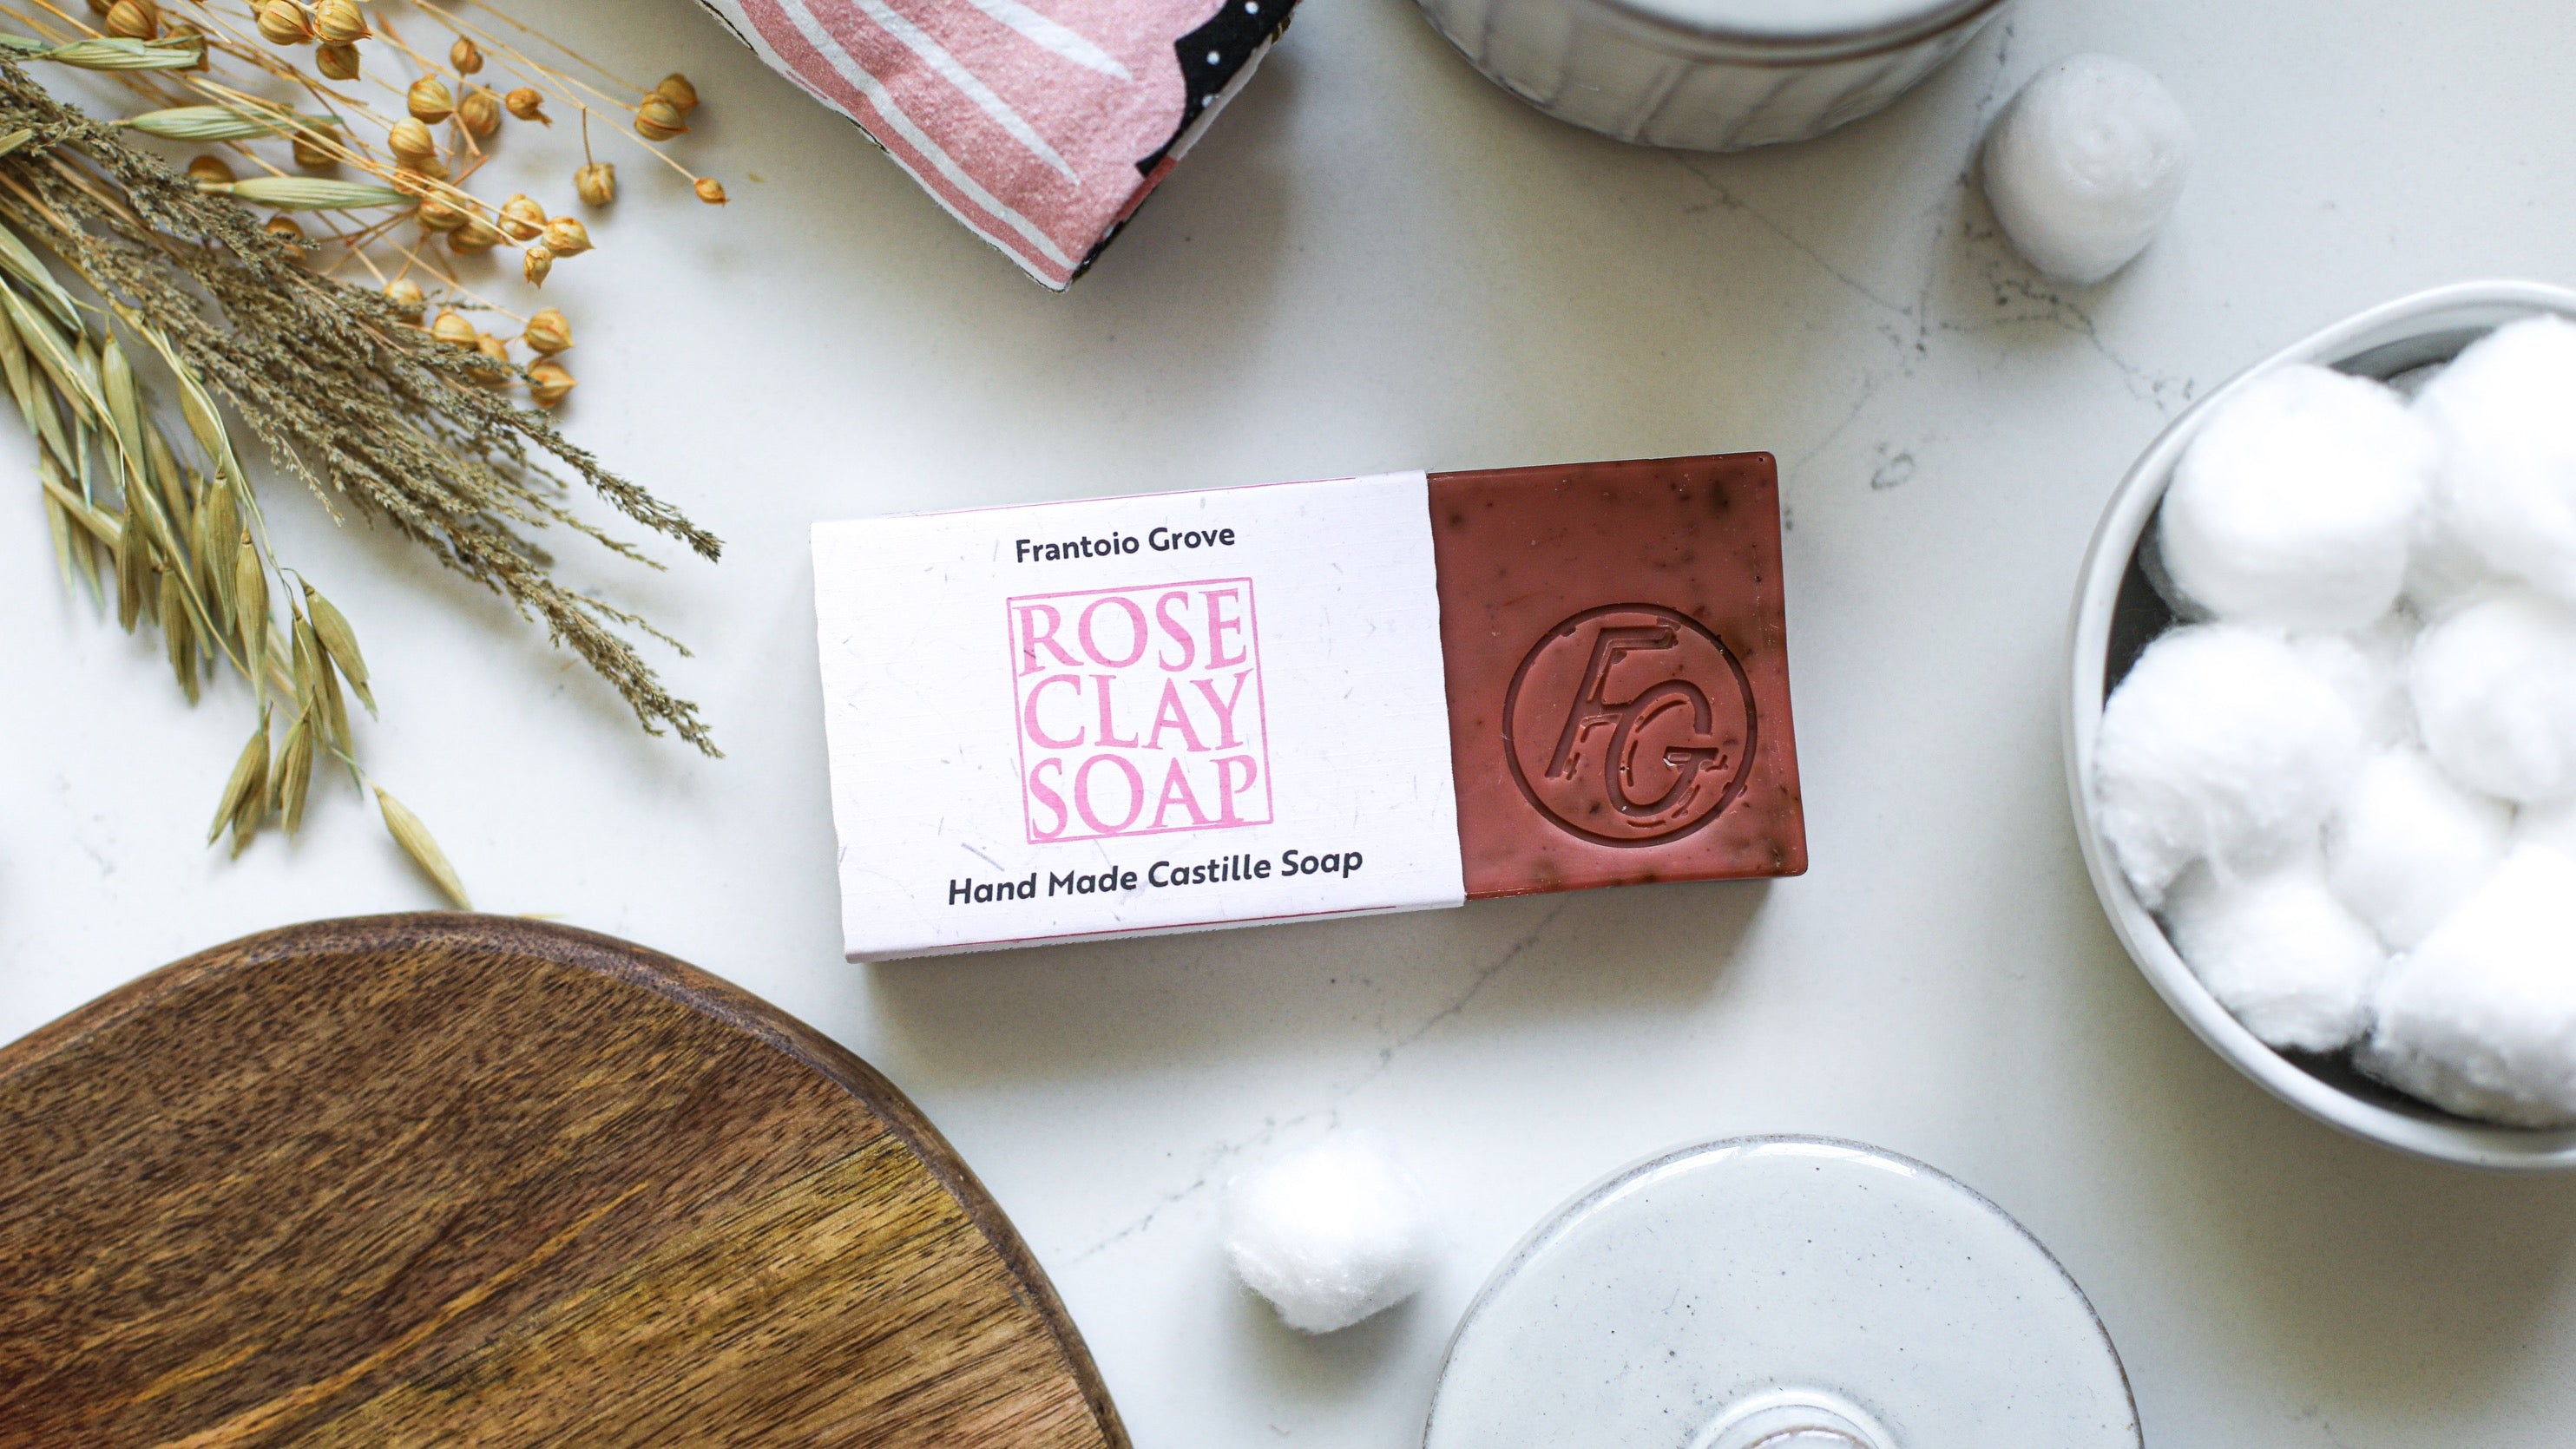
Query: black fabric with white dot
{"points": [[1212, 55]]}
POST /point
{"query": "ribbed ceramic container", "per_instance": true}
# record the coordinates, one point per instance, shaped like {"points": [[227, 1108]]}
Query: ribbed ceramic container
{"points": [[1709, 75], [2118, 612]]}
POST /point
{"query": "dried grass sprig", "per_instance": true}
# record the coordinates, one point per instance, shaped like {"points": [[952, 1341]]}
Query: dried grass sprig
{"points": [[347, 396], [348, 399]]}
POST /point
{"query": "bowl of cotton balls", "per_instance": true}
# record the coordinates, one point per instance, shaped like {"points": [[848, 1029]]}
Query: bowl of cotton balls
{"points": [[2322, 728]]}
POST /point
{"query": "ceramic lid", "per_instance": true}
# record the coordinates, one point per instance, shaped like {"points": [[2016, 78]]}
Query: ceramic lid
{"points": [[1780, 1292]]}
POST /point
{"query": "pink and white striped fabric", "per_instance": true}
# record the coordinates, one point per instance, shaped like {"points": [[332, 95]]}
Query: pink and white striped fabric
{"points": [[1040, 124]]}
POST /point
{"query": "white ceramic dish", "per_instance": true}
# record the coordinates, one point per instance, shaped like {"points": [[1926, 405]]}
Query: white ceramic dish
{"points": [[2117, 612], [1709, 75], [1781, 1293]]}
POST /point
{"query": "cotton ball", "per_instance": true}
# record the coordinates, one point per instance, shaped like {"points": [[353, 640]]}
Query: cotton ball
{"points": [[2279, 951], [2296, 504], [2548, 827], [2085, 164], [2221, 744], [2494, 686], [2481, 1018], [2509, 434], [2367, 670], [2407, 846], [1330, 1233]]}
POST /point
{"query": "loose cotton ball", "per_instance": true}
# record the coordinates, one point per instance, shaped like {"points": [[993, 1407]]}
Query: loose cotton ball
{"points": [[2280, 952], [1329, 1233], [2220, 744], [2297, 502], [2408, 846], [2509, 478], [2494, 686], [2481, 1018], [2085, 164]]}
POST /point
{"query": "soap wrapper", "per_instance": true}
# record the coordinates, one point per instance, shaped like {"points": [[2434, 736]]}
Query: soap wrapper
{"points": [[1040, 124], [1132, 715]]}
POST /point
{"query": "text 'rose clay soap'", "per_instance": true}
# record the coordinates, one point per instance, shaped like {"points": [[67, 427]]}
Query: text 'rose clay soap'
{"points": [[1124, 716]]}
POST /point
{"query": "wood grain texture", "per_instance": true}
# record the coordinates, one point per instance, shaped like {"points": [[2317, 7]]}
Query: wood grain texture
{"points": [[446, 1179]]}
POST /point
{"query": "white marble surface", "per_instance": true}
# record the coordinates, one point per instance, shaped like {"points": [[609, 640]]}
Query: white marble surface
{"points": [[1379, 261]]}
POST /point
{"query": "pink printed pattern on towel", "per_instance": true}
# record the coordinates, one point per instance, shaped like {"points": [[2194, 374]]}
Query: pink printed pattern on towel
{"points": [[1038, 123]]}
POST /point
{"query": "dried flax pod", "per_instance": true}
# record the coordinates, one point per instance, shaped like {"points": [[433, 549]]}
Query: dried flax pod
{"points": [[419, 155]]}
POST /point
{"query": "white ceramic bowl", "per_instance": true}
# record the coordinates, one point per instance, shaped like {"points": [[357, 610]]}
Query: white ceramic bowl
{"points": [[1709, 75], [2117, 611]]}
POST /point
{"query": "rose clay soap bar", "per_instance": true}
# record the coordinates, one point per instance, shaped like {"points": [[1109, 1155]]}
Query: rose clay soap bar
{"points": [[1125, 716], [1618, 673]]}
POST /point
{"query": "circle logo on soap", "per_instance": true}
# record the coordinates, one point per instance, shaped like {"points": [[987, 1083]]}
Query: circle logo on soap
{"points": [[1630, 724]]}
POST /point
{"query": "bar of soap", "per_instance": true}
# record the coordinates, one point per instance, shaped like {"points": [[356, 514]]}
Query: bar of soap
{"points": [[1618, 674], [1170, 712]]}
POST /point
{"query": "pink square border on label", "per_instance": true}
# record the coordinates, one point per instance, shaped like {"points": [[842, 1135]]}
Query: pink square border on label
{"points": [[1019, 730]]}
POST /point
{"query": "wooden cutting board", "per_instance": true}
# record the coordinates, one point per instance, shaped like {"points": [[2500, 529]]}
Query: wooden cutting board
{"points": [[469, 1180]]}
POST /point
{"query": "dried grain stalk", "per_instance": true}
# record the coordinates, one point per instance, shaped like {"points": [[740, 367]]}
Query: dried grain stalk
{"points": [[347, 399]]}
